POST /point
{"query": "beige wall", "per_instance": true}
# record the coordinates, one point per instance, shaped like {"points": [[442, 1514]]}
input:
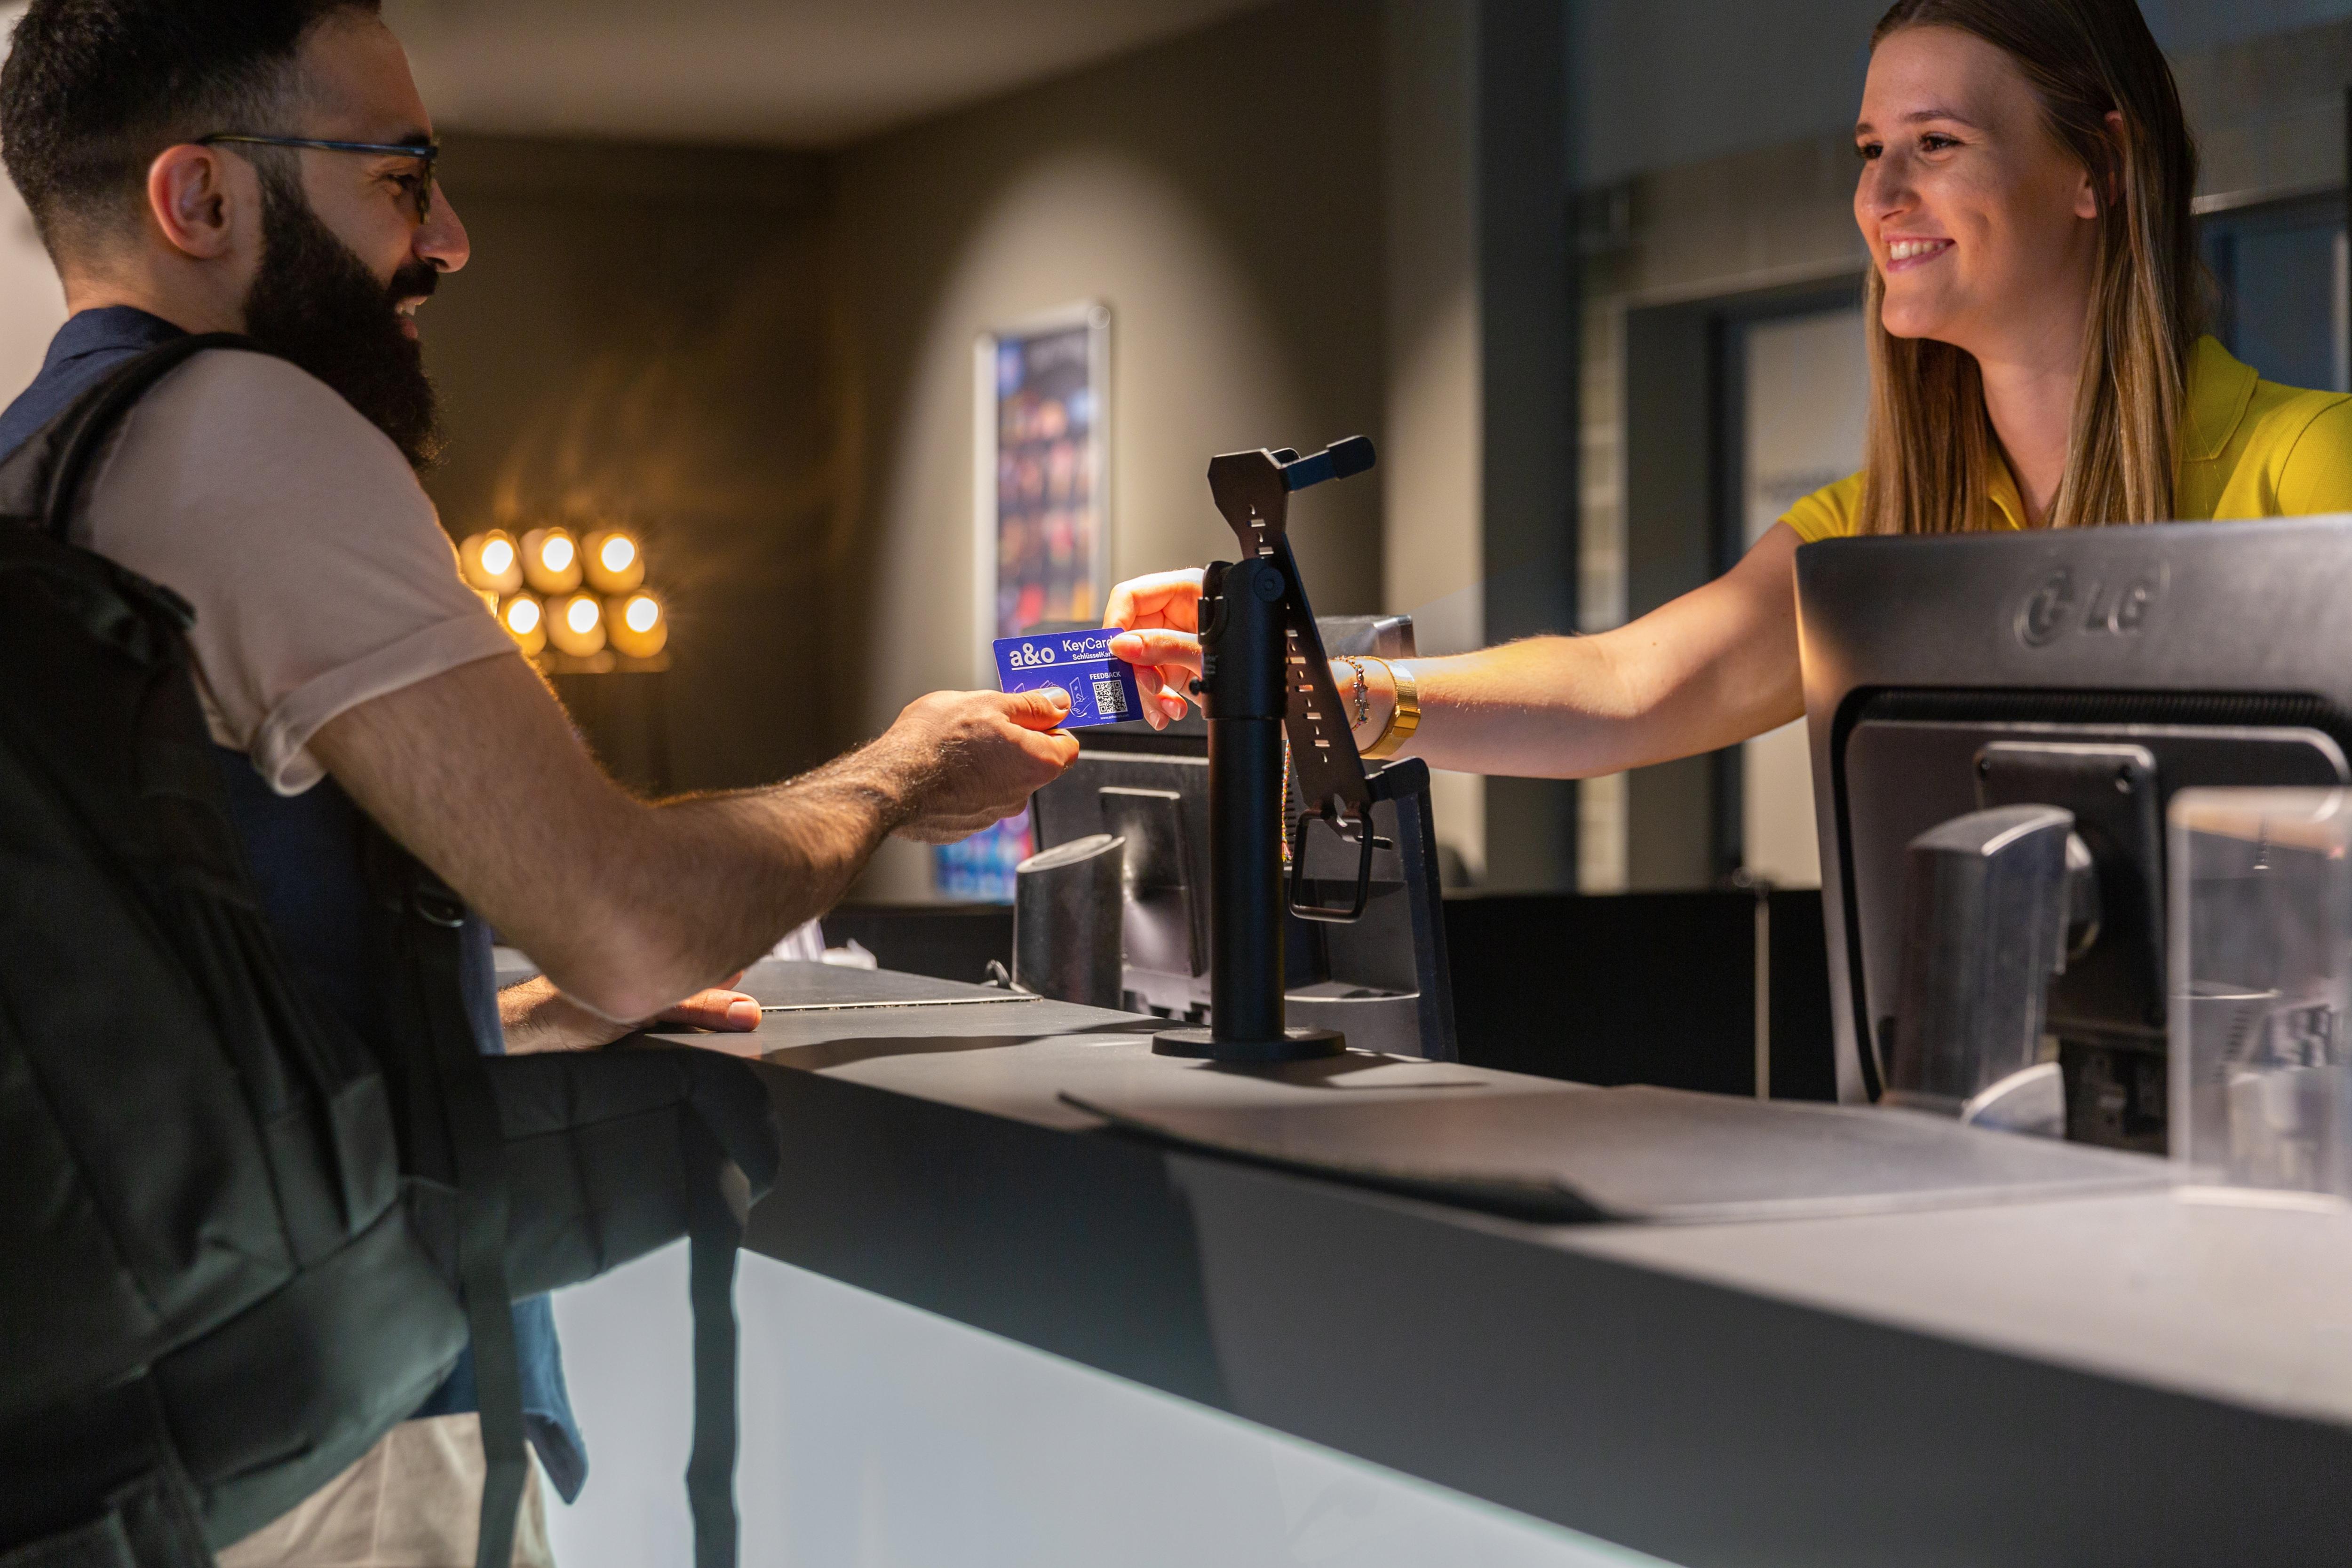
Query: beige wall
{"points": [[1226, 205], [645, 333], [765, 359], [1430, 468], [32, 302], [1432, 557]]}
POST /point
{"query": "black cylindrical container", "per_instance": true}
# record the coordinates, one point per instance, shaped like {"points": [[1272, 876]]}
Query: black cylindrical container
{"points": [[1069, 920]]}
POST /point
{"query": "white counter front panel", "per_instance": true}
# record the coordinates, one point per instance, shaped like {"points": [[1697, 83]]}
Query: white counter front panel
{"points": [[878, 1435]]}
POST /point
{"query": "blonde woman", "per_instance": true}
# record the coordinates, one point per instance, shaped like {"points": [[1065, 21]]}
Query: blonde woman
{"points": [[2036, 363]]}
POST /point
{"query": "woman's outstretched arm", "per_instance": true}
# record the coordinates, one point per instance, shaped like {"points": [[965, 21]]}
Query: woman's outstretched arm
{"points": [[1712, 667]]}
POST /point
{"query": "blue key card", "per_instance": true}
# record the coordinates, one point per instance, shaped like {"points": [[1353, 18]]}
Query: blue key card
{"points": [[1100, 684]]}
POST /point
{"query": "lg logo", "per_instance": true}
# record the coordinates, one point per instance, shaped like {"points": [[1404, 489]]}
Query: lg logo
{"points": [[1031, 656], [2061, 605]]}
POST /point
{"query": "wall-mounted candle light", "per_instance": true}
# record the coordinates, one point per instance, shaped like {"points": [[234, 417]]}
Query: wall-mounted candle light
{"points": [[551, 560], [637, 625], [526, 621], [576, 624], [589, 619], [614, 561], [566, 599], [490, 563]]}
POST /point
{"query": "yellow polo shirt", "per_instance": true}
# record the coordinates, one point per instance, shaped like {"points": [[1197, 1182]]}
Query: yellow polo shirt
{"points": [[2248, 448]]}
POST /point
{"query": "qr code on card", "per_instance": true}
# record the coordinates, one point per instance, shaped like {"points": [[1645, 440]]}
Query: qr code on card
{"points": [[1110, 697]]}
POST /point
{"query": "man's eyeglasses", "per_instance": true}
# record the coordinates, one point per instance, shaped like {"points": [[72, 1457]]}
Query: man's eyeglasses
{"points": [[425, 154]]}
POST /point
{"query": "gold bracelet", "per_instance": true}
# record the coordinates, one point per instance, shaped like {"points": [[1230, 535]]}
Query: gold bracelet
{"points": [[1404, 717]]}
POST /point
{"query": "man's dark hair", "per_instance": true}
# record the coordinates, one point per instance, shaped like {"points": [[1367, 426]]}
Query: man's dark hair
{"points": [[94, 89]]}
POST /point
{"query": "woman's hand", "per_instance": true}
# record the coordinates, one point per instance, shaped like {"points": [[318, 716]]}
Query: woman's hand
{"points": [[1161, 617]]}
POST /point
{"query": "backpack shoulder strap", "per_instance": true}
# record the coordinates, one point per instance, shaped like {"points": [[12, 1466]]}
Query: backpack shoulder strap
{"points": [[42, 480], [450, 1096]]}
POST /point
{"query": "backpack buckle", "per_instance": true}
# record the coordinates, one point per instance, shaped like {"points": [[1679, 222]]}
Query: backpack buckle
{"points": [[438, 906]]}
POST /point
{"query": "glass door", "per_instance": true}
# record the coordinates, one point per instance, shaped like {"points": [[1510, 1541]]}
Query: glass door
{"points": [[2280, 271], [1803, 382]]}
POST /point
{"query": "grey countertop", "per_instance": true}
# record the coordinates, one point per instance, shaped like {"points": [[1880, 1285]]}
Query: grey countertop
{"points": [[2028, 1375], [2238, 1295]]}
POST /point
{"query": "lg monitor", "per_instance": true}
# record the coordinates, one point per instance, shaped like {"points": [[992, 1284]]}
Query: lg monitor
{"points": [[1955, 684]]}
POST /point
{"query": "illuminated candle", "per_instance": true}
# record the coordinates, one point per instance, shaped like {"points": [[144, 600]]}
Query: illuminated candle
{"points": [[525, 622], [551, 560], [576, 625], [615, 562], [490, 562], [637, 626]]}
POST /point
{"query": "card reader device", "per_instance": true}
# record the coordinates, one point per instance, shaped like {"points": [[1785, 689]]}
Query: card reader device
{"points": [[1264, 677]]}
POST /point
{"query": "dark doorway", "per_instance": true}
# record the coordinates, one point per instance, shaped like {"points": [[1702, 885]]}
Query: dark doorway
{"points": [[1689, 496]]}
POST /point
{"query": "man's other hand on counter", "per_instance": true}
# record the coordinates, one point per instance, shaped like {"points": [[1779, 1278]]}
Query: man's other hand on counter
{"points": [[536, 1016]]}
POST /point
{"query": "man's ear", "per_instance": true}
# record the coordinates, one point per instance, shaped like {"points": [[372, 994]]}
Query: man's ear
{"points": [[194, 194]]}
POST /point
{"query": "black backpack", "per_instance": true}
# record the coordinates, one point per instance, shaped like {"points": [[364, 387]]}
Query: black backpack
{"points": [[236, 1245]]}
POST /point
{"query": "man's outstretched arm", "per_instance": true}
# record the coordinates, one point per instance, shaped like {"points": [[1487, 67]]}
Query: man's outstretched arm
{"points": [[629, 905]]}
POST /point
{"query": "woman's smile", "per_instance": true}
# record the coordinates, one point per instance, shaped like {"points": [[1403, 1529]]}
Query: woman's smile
{"points": [[1902, 254]]}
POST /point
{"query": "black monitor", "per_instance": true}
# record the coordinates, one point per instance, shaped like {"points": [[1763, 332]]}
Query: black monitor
{"points": [[1158, 801], [1951, 679]]}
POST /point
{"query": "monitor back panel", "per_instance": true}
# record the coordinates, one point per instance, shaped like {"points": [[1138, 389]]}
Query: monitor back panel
{"points": [[2223, 649]]}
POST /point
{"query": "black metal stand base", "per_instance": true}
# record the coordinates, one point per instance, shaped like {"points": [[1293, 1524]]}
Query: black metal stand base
{"points": [[1295, 1045]]}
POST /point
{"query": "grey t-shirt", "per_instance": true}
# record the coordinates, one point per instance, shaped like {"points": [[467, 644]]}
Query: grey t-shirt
{"points": [[316, 562]]}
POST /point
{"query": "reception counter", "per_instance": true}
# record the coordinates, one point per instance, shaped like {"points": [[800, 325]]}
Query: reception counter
{"points": [[1797, 1352]]}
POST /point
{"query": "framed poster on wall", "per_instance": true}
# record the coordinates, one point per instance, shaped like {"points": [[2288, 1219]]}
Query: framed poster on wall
{"points": [[1041, 475], [1041, 514]]}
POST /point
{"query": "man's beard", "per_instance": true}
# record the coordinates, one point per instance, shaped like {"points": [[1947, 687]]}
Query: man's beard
{"points": [[315, 301]]}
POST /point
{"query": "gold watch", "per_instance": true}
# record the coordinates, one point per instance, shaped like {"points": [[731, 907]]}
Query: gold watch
{"points": [[1404, 717]]}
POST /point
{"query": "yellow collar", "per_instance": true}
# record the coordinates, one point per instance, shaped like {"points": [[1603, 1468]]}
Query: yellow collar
{"points": [[2000, 489], [2218, 389]]}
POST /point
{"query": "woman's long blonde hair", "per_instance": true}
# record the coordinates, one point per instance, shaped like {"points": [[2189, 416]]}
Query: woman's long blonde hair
{"points": [[1930, 442]]}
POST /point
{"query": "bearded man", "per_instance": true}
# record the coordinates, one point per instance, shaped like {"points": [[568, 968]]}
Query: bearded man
{"points": [[268, 167]]}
